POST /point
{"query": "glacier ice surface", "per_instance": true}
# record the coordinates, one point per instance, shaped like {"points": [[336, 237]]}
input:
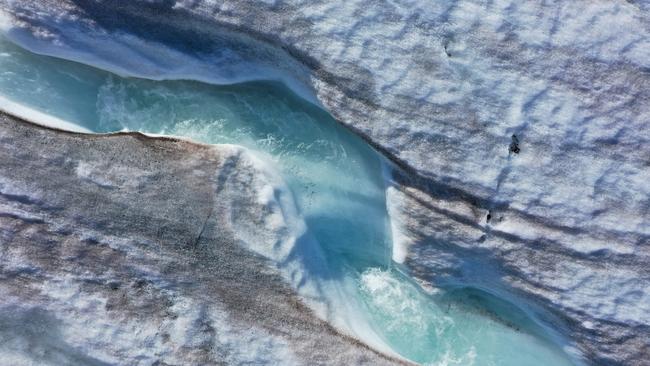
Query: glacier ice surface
{"points": [[441, 88], [332, 244]]}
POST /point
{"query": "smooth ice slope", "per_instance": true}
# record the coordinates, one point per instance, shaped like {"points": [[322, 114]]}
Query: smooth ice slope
{"points": [[338, 185]]}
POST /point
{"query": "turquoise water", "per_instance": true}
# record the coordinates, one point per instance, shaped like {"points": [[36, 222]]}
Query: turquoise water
{"points": [[337, 182]]}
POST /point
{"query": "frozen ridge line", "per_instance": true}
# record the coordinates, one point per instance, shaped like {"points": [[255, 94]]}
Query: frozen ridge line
{"points": [[444, 90]]}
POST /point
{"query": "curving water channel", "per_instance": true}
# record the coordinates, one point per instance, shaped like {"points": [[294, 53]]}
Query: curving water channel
{"points": [[338, 183]]}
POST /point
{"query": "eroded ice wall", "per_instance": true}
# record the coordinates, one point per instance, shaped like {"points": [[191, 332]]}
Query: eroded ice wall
{"points": [[126, 249]]}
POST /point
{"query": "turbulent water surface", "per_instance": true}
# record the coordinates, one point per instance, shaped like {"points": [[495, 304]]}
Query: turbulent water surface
{"points": [[338, 183]]}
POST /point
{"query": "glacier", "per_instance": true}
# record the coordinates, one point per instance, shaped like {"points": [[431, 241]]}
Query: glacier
{"points": [[327, 227], [443, 90]]}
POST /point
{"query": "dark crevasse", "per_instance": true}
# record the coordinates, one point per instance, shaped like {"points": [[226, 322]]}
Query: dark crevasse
{"points": [[338, 183]]}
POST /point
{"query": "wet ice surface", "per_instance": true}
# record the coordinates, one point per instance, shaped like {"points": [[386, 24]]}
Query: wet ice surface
{"points": [[338, 184]]}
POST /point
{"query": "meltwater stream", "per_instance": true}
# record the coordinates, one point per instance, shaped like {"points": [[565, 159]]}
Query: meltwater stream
{"points": [[338, 185]]}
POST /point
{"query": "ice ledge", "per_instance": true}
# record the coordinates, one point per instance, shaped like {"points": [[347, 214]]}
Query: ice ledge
{"points": [[127, 249]]}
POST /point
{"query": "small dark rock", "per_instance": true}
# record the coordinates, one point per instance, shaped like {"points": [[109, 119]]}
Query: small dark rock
{"points": [[514, 145]]}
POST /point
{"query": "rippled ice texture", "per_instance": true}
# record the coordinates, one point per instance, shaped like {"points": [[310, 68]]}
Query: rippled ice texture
{"points": [[338, 184]]}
